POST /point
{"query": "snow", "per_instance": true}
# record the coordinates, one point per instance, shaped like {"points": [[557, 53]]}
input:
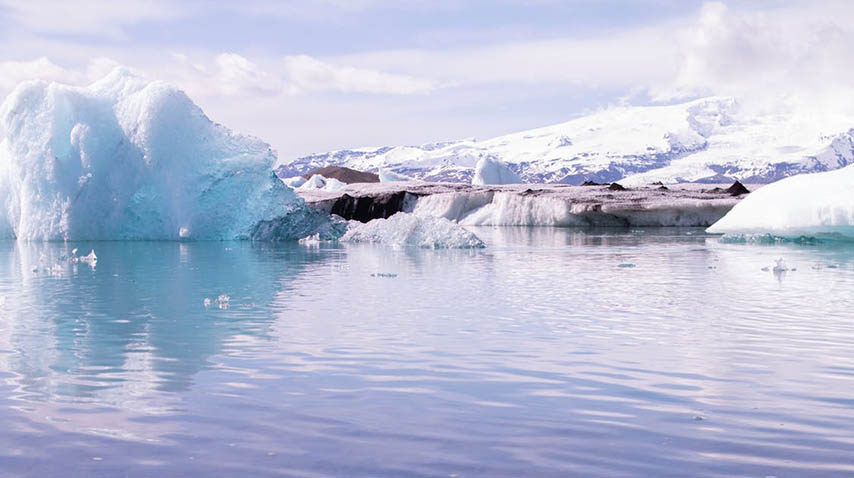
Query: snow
{"points": [[128, 158], [711, 140], [389, 176], [815, 205], [490, 170], [404, 229]]}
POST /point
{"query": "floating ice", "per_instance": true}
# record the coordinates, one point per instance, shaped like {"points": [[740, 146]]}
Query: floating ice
{"points": [[403, 229], [490, 170], [221, 302], [126, 158], [819, 205]]}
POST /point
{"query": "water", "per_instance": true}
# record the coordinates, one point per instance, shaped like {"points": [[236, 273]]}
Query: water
{"points": [[550, 353]]}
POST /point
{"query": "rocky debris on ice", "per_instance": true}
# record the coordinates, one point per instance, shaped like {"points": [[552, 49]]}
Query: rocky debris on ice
{"points": [[404, 229], [127, 158], [529, 204], [366, 208], [819, 205]]}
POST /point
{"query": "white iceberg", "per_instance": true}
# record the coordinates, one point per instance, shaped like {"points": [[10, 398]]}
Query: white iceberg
{"points": [[404, 229], [322, 183], [815, 205], [490, 170], [127, 158]]}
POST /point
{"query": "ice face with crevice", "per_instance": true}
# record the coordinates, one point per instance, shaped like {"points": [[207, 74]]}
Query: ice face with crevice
{"points": [[818, 205], [127, 158], [570, 207], [405, 229]]}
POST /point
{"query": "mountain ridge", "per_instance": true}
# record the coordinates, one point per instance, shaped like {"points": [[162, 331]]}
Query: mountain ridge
{"points": [[709, 140]]}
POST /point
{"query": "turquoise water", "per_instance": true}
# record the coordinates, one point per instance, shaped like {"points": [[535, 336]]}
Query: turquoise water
{"points": [[552, 352]]}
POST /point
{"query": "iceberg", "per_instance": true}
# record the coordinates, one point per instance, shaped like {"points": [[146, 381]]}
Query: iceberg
{"points": [[813, 205], [490, 170], [405, 229], [294, 182], [128, 158], [318, 181]]}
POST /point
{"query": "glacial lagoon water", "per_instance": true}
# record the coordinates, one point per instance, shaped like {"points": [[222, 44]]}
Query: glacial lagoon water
{"points": [[552, 352]]}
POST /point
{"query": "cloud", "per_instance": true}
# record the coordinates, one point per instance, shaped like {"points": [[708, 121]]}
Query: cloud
{"points": [[14, 72], [87, 17], [802, 51], [307, 74]]}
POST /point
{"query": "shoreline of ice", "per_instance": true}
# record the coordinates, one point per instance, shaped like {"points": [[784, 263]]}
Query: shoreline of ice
{"points": [[693, 205]]}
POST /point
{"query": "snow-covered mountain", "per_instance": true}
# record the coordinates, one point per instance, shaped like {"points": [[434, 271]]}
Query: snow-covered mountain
{"points": [[706, 140]]}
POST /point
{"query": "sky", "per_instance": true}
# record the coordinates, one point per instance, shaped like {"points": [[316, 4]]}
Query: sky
{"points": [[318, 75]]}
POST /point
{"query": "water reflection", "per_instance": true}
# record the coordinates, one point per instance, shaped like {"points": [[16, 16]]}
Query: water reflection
{"points": [[137, 317], [527, 358]]}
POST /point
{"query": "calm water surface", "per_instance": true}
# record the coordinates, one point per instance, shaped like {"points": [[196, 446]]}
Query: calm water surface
{"points": [[550, 353]]}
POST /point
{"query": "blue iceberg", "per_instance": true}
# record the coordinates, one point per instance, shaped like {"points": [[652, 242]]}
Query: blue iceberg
{"points": [[132, 159]]}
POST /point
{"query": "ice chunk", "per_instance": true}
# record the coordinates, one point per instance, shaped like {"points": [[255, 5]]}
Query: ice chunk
{"points": [[490, 170], [404, 229], [817, 205], [389, 176], [317, 181], [333, 184], [127, 158], [294, 182]]}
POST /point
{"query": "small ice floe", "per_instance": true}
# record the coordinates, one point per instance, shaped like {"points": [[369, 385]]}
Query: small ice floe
{"points": [[625, 265], [221, 302], [384, 274], [780, 266]]}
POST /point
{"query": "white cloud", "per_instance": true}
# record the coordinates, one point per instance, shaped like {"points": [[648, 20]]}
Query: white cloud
{"points": [[305, 73], [14, 72], [238, 75], [87, 17]]}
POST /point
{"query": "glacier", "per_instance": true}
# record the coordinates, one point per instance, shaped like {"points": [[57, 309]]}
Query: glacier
{"points": [[129, 158], [404, 229], [530, 204], [812, 205], [709, 140]]}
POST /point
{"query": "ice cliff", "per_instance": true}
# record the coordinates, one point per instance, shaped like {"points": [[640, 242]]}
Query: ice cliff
{"points": [[127, 158]]}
